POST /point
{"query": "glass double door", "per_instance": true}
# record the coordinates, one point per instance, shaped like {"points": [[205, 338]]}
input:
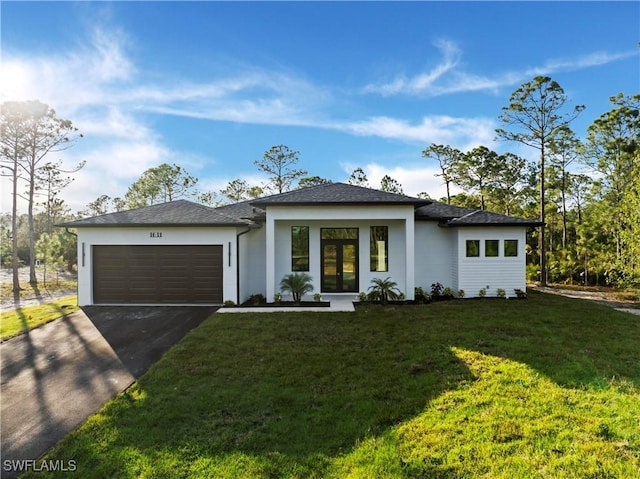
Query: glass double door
{"points": [[339, 265]]}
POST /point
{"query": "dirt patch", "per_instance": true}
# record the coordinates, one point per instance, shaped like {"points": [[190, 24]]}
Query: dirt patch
{"points": [[608, 298], [45, 293]]}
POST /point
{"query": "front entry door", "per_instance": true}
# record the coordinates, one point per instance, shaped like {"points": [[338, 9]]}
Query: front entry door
{"points": [[339, 265]]}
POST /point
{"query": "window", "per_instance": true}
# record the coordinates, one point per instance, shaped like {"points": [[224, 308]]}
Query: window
{"points": [[491, 247], [299, 248], [473, 248], [339, 233], [511, 247], [379, 248]]}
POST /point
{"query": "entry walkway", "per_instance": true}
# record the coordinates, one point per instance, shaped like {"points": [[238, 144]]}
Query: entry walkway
{"points": [[339, 303]]}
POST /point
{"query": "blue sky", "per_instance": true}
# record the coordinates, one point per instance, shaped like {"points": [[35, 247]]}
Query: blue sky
{"points": [[211, 85]]}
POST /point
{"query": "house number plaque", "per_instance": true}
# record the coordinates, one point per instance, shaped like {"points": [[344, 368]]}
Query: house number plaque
{"points": [[155, 234]]}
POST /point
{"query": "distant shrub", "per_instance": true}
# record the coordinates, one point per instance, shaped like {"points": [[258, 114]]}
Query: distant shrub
{"points": [[501, 293], [520, 294], [482, 293], [461, 293]]}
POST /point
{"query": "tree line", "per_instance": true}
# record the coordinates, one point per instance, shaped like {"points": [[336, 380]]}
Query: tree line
{"points": [[585, 191]]}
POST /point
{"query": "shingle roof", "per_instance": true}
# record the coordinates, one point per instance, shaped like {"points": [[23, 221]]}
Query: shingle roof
{"points": [[243, 210], [441, 211], [487, 218], [176, 213], [450, 215], [337, 193]]}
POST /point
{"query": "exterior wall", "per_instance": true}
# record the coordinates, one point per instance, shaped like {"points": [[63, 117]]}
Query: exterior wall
{"points": [[435, 247], [491, 273], [399, 219], [253, 264], [165, 235]]}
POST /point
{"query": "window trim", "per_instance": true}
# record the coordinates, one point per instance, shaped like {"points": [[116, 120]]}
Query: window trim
{"points": [[497, 248], [504, 248], [374, 250], [295, 260], [467, 243]]}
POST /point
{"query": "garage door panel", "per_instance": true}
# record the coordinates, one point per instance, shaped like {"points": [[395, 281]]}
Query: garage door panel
{"points": [[157, 274]]}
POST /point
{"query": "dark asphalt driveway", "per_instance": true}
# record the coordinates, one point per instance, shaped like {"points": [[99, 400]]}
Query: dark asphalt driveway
{"points": [[55, 376]]}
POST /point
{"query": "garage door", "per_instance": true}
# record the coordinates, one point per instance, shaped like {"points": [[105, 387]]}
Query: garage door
{"points": [[157, 274]]}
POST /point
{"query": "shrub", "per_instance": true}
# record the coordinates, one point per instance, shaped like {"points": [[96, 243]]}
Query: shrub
{"points": [[277, 298], [482, 293], [436, 290], [384, 290], [447, 293], [256, 299], [520, 294], [501, 293], [421, 297], [229, 303], [461, 293], [298, 284], [317, 297], [362, 296]]}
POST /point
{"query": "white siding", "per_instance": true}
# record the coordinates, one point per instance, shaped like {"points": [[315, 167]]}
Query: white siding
{"points": [[253, 264], [399, 219], [434, 247], [491, 273], [88, 237]]}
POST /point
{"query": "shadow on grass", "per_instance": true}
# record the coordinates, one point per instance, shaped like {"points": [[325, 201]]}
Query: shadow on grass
{"points": [[273, 395], [574, 342]]}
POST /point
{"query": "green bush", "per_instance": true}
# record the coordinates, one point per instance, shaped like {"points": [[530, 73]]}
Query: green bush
{"points": [[384, 290], [298, 284]]}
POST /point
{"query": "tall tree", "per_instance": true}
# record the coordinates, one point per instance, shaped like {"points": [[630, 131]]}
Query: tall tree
{"points": [[52, 178], [279, 162], [391, 185], [358, 178], [239, 190], [12, 125], [612, 150], [160, 184], [475, 170], [507, 182], [312, 181], [564, 149], [39, 132], [534, 116], [447, 157]]}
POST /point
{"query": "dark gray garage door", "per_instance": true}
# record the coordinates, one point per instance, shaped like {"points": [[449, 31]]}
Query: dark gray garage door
{"points": [[157, 274]]}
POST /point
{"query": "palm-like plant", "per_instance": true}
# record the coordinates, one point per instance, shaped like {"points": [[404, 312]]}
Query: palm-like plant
{"points": [[298, 284], [384, 290]]}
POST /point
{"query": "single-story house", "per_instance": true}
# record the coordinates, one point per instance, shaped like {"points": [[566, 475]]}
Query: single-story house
{"points": [[342, 235]]}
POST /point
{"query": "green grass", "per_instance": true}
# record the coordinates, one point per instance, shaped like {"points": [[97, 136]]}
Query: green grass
{"points": [[546, 387], [17, 321]]}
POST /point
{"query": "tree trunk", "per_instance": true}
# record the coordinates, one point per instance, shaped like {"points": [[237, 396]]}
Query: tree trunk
{"points": [[14, 230], [543, 252], [33, 279]]}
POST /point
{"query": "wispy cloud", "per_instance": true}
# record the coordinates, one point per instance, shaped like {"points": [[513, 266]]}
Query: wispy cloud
{"points": [[460, 132], [449, 77]]}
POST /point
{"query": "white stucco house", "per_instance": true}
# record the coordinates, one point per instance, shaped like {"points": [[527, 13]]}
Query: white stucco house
{"points": [[342, 235]]}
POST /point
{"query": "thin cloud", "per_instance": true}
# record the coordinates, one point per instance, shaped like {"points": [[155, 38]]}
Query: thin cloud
{"points": [[459, 132], [447, 77]]}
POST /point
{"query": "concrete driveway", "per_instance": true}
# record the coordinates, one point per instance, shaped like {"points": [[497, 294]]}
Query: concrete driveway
{"points": [[55, 376]]}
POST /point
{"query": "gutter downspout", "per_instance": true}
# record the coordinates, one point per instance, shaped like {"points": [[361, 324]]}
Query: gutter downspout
{"points": [[238, 263]]}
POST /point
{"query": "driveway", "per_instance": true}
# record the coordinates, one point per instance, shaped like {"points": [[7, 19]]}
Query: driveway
{"points": [[55, 376]]}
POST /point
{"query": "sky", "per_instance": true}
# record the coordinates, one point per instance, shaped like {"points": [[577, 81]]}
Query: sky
{"points": [[211, 86]]}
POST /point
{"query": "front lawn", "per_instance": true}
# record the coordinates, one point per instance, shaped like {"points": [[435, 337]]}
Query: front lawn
{"points": [[23, 319], [543, 387]]}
